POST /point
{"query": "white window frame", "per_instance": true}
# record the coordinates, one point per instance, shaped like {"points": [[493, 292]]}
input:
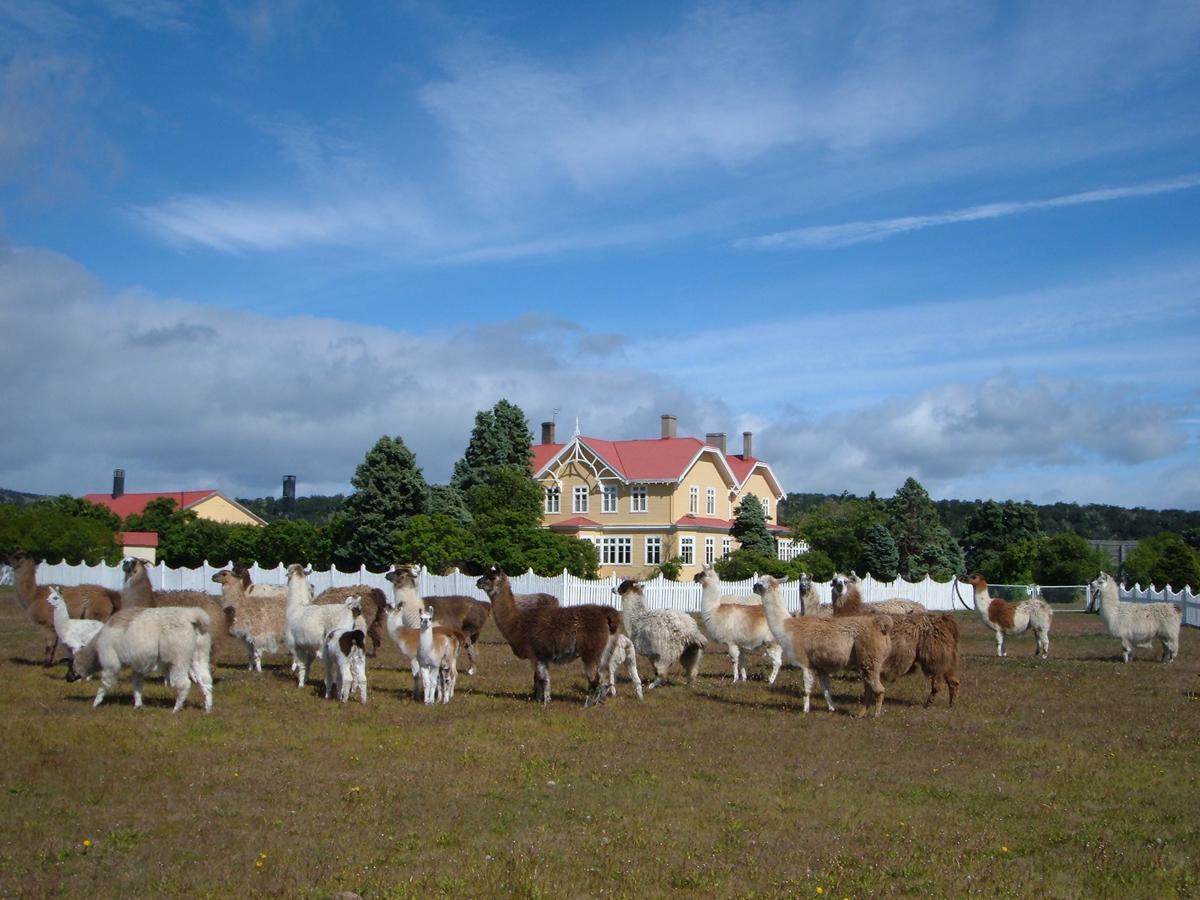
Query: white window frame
{"points": [[579, 498], [693, 500], [766, 505], [610, 498], [654, 547], [726, 546], [552, 502], [712, 501], [639, 498], [616, 551], [687, 550], [710, 550]]}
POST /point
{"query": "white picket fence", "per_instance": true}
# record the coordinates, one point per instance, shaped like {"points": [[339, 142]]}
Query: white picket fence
{"points": [[660, 593]]}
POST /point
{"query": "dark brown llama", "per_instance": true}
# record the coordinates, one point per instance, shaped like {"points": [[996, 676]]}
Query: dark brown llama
{"points": [[465, 614], [85, 601], [928, 641], [552, 635]]}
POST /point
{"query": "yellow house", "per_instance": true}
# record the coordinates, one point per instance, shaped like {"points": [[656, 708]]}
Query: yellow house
{"points": [[642, 502], [206, 504]]}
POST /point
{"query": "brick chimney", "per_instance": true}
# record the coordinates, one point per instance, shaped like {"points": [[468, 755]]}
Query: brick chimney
{"points": [[716, 439], [747, 444], [547, 432], [118, 483], [668, 426]]}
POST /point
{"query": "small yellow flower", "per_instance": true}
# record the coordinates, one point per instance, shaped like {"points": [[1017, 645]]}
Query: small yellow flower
{"points": [[262, 856], [820, 890], [258, 864], [87, 842], [1003, 849]]}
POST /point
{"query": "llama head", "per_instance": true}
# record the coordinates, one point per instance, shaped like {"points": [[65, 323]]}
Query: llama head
{"points": [[426, 618], [402, 576], [223, 576], [55, 599], [627, 587], [297, 569], [838, 584], [131, 566], [767, 584], [707, 575], [977, 581], [1101, 582], [491, 577], [243, 573], [354, 604]]}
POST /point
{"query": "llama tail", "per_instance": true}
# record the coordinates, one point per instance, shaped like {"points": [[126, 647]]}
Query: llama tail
{"points": [[690, 658]]}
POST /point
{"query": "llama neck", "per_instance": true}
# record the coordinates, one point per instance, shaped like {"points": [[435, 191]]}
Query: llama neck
{"points": [[809, 601], [773, 608], [25, 581], [233, 592], [633, 608], [297, 590], [710, 596], [1110, 600], [982, 600], [137, 590], [851, 602], [425, 639], [61, 616], [504, 607], [409, 604]]}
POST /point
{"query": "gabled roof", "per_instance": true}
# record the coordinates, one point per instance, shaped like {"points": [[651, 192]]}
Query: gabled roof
{"points": [[135, 504], [655, 459], [576, 522]]}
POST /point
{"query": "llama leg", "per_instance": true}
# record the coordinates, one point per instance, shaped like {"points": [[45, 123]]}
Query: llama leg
{"points": [[329, 679], [361, 675], [418, 689], [933, 690], [775, 655], [999, 642], [108, 681], [137, 690], [202, 676], [808, 684], [660, 673], [429, 689], [472, 657], [1127, 650], [302, 662], [51, 647], [952, 686], [541, 683], [735, 652], [827, 691], [634, 676], [693, 656], [179, 680], [595, 695]]}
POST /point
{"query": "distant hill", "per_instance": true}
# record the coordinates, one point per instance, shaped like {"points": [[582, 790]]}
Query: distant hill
{"points": [[18, 497]]}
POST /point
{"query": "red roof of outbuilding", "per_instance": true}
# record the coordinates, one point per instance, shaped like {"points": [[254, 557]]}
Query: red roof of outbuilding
{"points": [[135, 504], [137, 538]]}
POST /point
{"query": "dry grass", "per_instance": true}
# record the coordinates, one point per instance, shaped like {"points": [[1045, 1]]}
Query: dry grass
{"points": [[1071, 777]]}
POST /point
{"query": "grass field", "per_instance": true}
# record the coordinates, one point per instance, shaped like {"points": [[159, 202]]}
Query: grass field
{"points": [[1074, 777]]}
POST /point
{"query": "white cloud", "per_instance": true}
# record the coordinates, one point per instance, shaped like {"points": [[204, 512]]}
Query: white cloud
{"points": [[821, 237]]}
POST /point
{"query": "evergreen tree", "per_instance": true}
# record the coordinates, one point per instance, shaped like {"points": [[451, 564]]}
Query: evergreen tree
{"points": [[435, 540], [447, 500], [750, 527], [924, 544], [500, 439], [879, 554], [389, 488]]}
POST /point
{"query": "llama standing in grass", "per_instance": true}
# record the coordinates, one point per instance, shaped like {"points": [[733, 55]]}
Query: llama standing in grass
{"points": [[72, 633], [344, 656], [619, 652], [258, 620], [928, 641], [138, 593], [85, 601], [465, 614], [408, 640], [1138, 624], [848, 601], [740, 625], [374, 608], [1006, 618], [308, 623], [664, 636], [258, 590], [437, 653], [174, 640], [821, 646], [552, 635]]}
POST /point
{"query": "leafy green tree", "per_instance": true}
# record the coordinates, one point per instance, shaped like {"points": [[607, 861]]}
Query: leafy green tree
{"points": [[388, 489], [47, 532], [744, 563], [925, 545], [1016, 563], [78, 508], [518, 547], [992, 527], [1066, 558], [750, 527], [191, 541], [839, 526], [815, 563], [435, 540], [283, 541], [879, 554], [447, 500], [1162, 560], [671, 568], [159, 516], [509, 495]]}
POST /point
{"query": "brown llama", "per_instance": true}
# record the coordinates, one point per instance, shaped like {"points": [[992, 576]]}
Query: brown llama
{"points": [[547, 635], [821, 646], [138, 592], [85, 601], [928, 641], [848, 601], [465, 614], [374, 608]]}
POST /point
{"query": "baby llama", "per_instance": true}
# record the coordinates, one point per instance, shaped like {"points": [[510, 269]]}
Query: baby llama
{"points": [[72, 633], [1006, 618], [437, 654], [307, 622], [619, 652], [1138, 624], [663, 636], [344, 656]]}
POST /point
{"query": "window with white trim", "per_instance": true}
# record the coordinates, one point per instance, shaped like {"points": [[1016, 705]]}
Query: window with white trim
{"points": [[579, 499], [710, 550], [687, 551], [766, 509], [726, 546], [712, 501], [553, 502], [608, 499], [616, 551], [653, 551], [638, 494], [693, 499]]}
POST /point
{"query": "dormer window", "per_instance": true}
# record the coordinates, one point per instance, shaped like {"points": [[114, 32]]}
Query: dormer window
{"points": [[553, 500]]}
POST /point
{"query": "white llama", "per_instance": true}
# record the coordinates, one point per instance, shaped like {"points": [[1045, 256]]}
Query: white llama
{"points": [[1138, 624]]}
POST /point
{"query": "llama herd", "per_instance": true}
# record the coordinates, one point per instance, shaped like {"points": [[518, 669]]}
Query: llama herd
{"points": [[174, 632]]}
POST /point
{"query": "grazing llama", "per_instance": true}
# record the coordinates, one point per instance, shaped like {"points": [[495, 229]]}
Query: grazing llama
{"points": [[664, 636], [72, 633], [552, 635], [86, 601], [437, 653], [344, 656], [741, 626], [619, 652], [465, 614], [848, 601], [1138, 624], [925, 641], [1006, 618], [821, 646], [173, 639]]}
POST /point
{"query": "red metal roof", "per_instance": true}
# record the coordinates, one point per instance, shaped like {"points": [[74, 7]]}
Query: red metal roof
{"points": [[576, 522], [135, 504], [698, 522], [137, 538]]}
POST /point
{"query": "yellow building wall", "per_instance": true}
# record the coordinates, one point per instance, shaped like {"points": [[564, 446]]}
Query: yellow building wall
{"points": [[758, 485], [218, 509]]}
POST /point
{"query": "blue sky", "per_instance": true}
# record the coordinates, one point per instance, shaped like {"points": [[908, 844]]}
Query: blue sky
{"points": [[958, 242]]}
